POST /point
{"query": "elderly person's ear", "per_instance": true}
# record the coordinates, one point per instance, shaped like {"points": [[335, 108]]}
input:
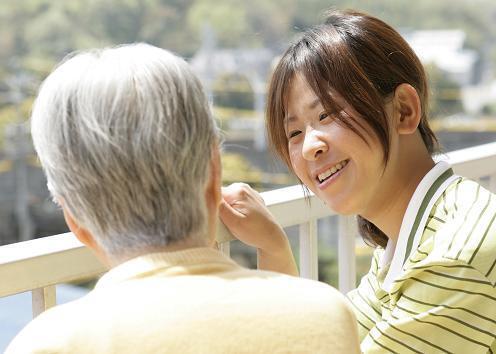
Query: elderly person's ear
{"points": [[82, 234]]}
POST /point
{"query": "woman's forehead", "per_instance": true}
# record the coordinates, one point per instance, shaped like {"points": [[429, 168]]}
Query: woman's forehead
{"points": [[300, 94]]}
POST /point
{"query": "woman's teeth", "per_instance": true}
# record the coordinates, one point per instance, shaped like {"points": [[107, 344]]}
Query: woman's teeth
{"points": [[326, 174]]}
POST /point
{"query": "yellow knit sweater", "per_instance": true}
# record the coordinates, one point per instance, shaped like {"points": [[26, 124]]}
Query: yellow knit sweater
{"points": [[195, 301]]}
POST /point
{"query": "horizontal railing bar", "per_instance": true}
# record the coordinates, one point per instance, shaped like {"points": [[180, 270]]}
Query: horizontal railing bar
{"points": [[62, 258], [45, 261], [473, 162]]}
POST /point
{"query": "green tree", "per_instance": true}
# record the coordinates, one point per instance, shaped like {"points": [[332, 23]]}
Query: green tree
{"points": [[239, 23], [237, 168], [445, 96], [233, 91]]}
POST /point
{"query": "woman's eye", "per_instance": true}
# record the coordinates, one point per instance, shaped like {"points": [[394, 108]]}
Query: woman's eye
{"points": [[293, 133], [323, 116]]}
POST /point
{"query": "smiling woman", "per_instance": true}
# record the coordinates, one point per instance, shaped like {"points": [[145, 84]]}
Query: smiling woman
{"points": [[347, 113], [317, 73]]}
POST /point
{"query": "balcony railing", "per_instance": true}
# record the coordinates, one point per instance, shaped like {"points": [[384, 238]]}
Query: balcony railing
{"points": [[38, 265]]}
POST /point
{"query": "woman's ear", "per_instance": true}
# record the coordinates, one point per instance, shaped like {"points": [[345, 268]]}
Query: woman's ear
{"points": [[407, 109]]}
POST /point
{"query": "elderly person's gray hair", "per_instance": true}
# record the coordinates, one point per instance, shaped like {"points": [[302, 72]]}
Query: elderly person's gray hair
{"points": [[125, 137]]}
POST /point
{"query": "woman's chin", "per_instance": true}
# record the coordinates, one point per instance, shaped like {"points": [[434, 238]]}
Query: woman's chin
{"points": [[341, 208]]}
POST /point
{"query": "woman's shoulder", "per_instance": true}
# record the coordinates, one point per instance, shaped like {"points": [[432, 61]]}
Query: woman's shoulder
{"points": [[459, 195], [462, 228]]}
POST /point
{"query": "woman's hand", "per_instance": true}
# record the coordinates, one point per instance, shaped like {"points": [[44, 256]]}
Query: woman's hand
{"points": [[244, 213]]}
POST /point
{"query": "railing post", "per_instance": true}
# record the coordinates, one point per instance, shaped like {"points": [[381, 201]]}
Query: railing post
{"points": [[309, 259], [43, 299], [492, 183], [225, 247], [346, 253]]}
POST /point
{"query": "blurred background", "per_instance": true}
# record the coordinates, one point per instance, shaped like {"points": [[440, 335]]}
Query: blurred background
{"points": [[233, 46]]}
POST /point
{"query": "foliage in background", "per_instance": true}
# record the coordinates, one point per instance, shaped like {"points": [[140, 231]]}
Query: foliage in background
{"points": [[242, 23], [233, 91], [12, 114], [445, 94], [51, 28], [35, 34], [236, 168]]}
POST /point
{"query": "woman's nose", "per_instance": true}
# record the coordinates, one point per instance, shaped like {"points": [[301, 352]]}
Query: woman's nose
{"points": [[313, 145]]}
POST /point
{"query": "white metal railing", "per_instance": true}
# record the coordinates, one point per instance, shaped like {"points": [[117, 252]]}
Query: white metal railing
{"points": [[39, 264]]}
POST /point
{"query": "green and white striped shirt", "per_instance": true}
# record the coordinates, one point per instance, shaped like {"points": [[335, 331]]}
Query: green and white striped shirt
{"points": [[435, 292]]}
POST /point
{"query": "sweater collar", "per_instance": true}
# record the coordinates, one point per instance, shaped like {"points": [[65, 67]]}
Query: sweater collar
{"points": [[174, 262]]}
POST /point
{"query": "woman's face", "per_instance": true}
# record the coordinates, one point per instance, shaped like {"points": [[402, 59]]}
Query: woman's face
{"points": [[330, 159]]}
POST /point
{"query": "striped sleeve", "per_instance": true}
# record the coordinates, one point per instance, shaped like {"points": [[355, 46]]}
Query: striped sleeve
{"points": [[441, 309]]}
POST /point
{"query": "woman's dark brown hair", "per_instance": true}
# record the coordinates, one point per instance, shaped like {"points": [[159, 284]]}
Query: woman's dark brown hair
{"points": [[364, 60]]}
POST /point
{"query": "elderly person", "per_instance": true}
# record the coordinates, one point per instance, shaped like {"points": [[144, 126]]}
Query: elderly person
{"points": [[131, 154]]}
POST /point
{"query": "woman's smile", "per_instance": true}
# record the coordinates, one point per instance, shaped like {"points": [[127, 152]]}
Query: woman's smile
{"points": [[330, 174]]}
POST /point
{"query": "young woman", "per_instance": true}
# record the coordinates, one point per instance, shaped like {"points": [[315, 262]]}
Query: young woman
{"points": [[347, 111]]}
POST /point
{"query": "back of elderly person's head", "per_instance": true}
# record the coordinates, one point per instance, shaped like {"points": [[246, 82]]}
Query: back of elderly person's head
{"points": [[125, 137]]}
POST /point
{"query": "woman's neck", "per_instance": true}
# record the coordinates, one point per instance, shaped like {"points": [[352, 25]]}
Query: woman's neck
{"points": [[401, 179]]}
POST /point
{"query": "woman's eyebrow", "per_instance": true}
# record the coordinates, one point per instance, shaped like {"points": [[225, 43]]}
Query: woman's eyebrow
{"points": [[314, 103], [288, 119]]}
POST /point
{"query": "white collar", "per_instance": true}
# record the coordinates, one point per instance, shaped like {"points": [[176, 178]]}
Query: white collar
{"points": [[426, 194]]}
